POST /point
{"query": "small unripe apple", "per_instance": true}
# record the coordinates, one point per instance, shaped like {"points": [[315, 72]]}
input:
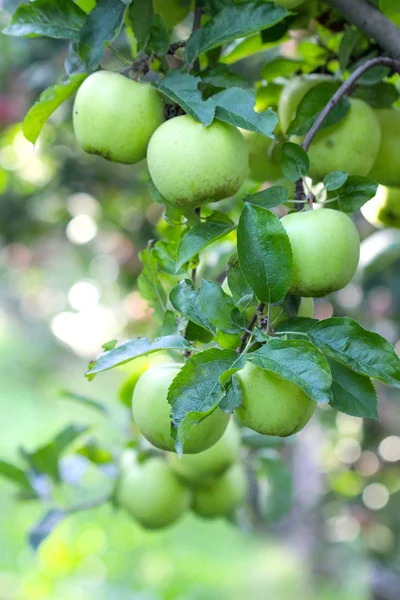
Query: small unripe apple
{"points": [[384, 209], [386, 168], [152, 493], [326, 249], [223, 495], [199, 469], [152, 413], [271, 405], [172, 11], [115, 117], [191, 164]]}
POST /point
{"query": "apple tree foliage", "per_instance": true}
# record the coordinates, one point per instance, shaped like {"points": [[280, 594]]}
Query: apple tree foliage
{"points": [[198, 72]]}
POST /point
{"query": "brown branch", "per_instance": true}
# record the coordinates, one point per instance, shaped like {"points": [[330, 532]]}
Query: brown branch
{"points": [[247, 333], [372, 22]]}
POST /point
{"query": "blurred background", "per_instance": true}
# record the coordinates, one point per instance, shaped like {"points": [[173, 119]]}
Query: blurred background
{"points": [[71, 228]]}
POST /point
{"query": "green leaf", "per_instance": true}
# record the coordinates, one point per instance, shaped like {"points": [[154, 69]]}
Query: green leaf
{"points": [[101, 27], [280, 66], [379, 95], [362, 351], [280, 496], [140, 16], [18, 476], [311, 106], [165, 254], [353, 394], [93, 452], [61, 19], [46, 458], [350, 41], [233, 395], [221, 76], [150, 285], [182, 88], [73, 63], [173, 214], [219, 308], [159, 36], [199, 237], [131, 349], [185, 299], [299, 325], [236, 107], [48, 101], [45, 526], [242, 293], [355, 192], [233, 22], [298, 361], [295, 161], [265, 255], [89, 402], [335, 180], [269, 198], [198, 388]]}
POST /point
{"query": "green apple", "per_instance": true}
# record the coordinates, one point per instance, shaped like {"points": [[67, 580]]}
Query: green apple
{"points": [[115, 117], [198, 469], [172, 11], [152, 493], [386, 168], [264, 162], [293, 93], [152, 413], [271, 405], [136, 369], [384, 209], [326, 249], [223, 495], [86, 5], [191, 164]]}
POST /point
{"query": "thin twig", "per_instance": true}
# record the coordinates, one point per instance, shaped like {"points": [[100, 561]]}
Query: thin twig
{"points": [[194, 270], [250, 328]]}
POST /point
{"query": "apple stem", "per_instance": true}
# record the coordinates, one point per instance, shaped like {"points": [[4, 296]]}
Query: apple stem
{"points": [[247, 333]]}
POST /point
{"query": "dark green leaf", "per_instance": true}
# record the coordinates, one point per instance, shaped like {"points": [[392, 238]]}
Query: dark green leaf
{"points": [[48, 101], [140, 15], [185, 299], [233, 22], [353, 394], [133, 349], [219, 308], [335, 180], [221, 76], [233, 395], [312, 104], [242, 293], [236, 106], [362, 351], [195, 333], [101, 27], [355, 192], [89, 402], [16, 475], [173, 214], [350, 41], [61, 19], [73, 63], [150, 285], [298, 361], [280, 66], [295, 161], [199, 237], [182, 88], [165, 254], [300, 325], [379, 95], [159, 36], [264, 251], [281, 493], [45, 526], [269, 198]]}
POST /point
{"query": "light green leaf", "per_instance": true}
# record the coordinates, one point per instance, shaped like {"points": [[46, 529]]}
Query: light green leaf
{"points": [[150, 285], [295, 161], [185, 299], [61, 19], [219, 308], [236, 107], [353, 394], [269, 198]]}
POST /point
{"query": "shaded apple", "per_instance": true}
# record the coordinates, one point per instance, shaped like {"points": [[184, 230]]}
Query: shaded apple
{"points": [[223, 495]]}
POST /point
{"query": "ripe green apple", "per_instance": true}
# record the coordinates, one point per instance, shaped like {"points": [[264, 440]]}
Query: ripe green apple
{"points": [[292, 94], [386, 168], [326, 249], [198, 469], [136, 369], [152, 493], [223, 495], [191, 164], [152, 413], [264, 162], [172, 11], [384, 209], [271, 405], [115, 117]]}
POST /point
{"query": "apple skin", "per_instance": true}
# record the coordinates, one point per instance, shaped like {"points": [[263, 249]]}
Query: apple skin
{"points": [[384, 209], [289, 4], [152, 413], [115, 117], [272, 406], [326, 249], [223, 495], [386, 168], [264, 164], [172, 11], [198, 469], [191, 164], [292, 94], [152, 493]]}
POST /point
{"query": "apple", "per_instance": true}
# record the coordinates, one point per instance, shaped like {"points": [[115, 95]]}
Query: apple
{"points": [[152, 413], [172, 11], [152, 494], [292, 94], [191, 164], [136, 369], [86, 5], [223, 495], [115, 117], [326, 249], [386, 168], [271, 405], [264, 162], [384, 209], [198, 469]]}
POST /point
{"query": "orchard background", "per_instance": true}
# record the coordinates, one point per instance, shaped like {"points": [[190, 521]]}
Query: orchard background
{"points": [[324, 523]]}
